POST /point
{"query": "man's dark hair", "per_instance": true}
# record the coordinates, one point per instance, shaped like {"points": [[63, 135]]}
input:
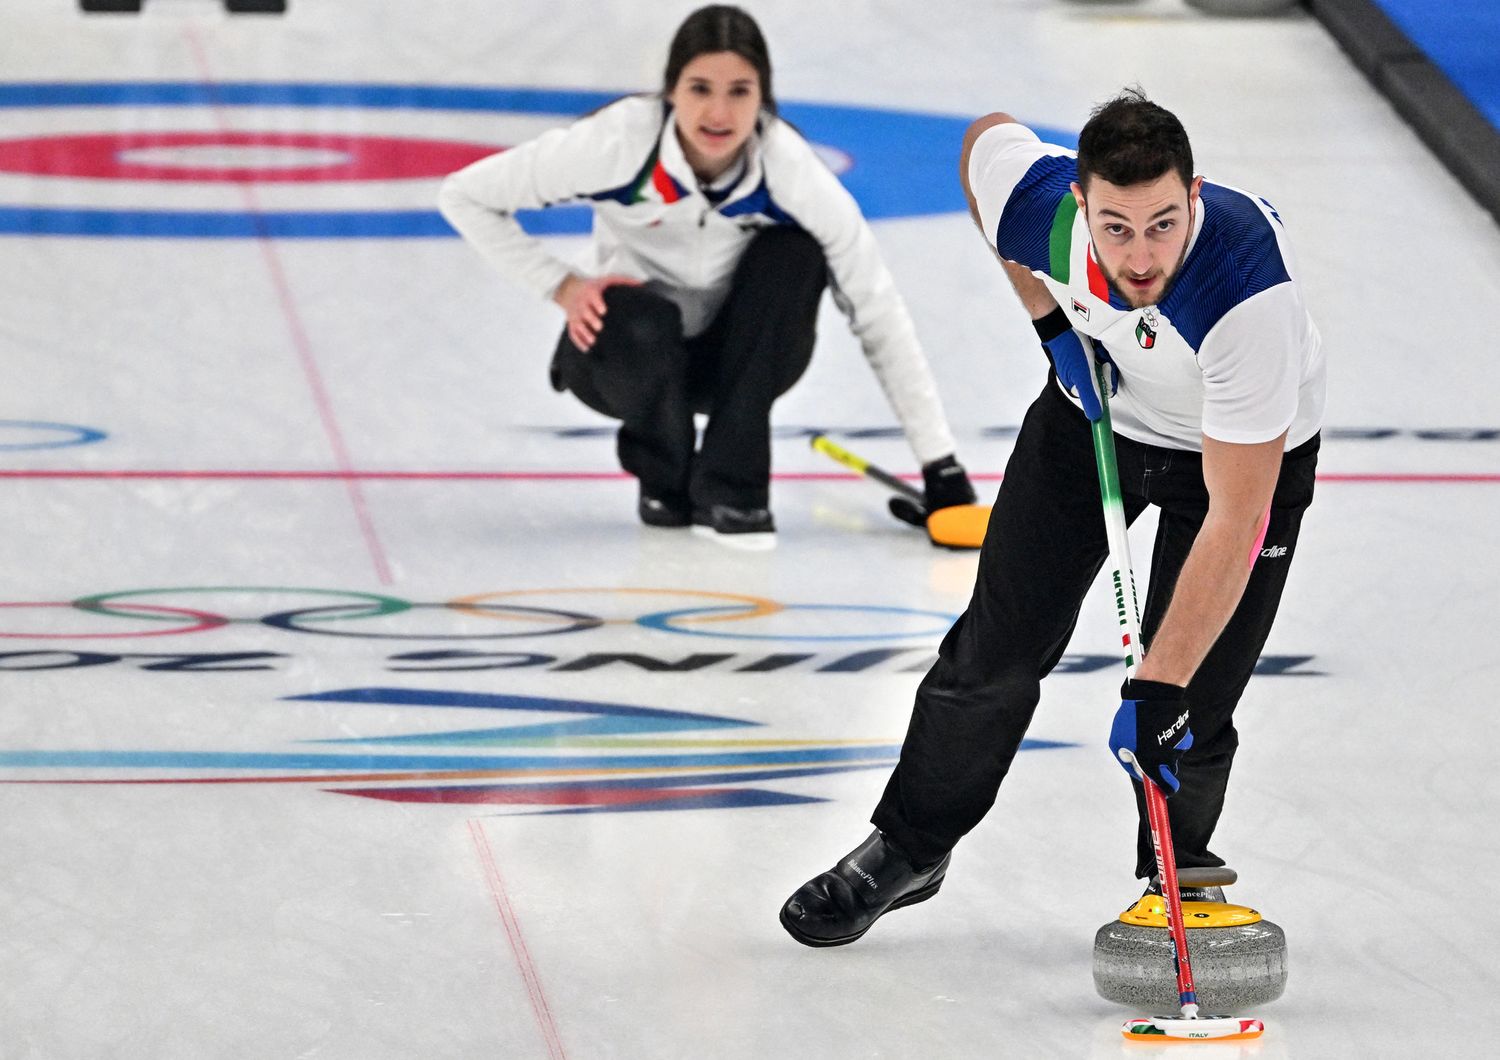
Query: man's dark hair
{"points": [[1131, 140], [720, 28]]}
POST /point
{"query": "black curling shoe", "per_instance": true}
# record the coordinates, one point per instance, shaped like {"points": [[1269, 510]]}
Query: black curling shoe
{"points": [[841, 905], [663, 509], [746, 528]]}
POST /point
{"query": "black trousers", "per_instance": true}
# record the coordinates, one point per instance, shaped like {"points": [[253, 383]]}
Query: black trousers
{"points": [[643, 372], [1045, 544]]}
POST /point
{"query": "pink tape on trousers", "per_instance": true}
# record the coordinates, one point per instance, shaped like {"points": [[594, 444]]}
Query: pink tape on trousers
{"points": [[1260, 538]]}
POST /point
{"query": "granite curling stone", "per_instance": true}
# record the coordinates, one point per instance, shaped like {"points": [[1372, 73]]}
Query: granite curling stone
{"points": [[1244, 8], [1239, 958]]}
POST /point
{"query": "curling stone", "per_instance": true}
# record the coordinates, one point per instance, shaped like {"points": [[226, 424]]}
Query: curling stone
{"points": [[1243, 8], [1238, 956]]}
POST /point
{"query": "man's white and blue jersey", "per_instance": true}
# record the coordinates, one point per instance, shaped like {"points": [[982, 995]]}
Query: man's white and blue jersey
{"points": [[1230, 352]]}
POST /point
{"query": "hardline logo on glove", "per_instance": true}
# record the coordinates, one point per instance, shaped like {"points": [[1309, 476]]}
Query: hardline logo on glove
{"points": [[1170, 734]]}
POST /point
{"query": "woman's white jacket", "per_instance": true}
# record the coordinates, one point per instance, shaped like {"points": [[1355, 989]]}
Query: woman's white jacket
{"points": [[653, 222]]}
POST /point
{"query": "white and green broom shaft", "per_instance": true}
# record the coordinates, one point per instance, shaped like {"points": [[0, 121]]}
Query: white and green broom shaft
{"points": [[1121, 577]]}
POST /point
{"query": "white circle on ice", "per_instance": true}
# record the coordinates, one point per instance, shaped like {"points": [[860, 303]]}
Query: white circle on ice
{"points": [[234, 156]]}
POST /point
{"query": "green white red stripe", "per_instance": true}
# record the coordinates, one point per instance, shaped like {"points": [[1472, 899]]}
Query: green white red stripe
{"points": [[669, 190], [1060, 250], [1098, 285], [1060, 242]]}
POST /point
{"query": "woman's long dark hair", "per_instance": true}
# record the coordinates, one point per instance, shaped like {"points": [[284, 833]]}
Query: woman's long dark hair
{"points": [[720, 28]]}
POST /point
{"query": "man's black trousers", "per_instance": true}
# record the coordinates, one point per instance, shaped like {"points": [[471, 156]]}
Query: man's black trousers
{"points": [[1045, 545], [642, 372]]}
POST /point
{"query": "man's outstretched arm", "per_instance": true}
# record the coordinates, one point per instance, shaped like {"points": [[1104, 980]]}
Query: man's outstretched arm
{"points": [[1240, 481], [975, 130], [1033, 293], [1053, 328]]}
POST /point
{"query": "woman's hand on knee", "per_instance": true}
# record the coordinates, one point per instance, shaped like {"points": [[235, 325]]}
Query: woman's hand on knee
{"points": [[582, 299]]}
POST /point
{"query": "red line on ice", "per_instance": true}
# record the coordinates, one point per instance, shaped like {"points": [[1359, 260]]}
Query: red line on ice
{"points": [[304, 350], [512, 925]]}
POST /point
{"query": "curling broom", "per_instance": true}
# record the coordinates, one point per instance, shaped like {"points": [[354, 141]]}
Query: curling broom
{"points": [[1190, 1026], [960, 526]]}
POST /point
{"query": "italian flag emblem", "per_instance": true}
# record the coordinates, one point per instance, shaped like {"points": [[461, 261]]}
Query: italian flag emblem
{"points": [[669, 190], [1144, 334]]}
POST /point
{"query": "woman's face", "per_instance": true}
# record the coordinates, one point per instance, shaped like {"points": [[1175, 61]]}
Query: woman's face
{"points": [[716, 101]]}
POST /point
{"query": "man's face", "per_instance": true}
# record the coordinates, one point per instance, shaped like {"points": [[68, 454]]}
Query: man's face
{"points": [[1140, 232]]}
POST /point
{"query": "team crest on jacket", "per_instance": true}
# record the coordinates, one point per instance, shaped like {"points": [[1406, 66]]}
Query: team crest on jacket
{"points": [[1145, 330]]}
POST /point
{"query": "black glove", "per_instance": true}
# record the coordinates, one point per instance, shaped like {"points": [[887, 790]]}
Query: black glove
{"points": [[1151, 732], [945, 484]]}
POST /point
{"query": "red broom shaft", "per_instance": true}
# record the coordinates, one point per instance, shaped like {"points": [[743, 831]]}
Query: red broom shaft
{"points": [[1166, 866]]}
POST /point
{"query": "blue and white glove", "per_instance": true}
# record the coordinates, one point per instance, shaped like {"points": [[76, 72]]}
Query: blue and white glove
{"points": [[1071, 362], [1151, 732]]}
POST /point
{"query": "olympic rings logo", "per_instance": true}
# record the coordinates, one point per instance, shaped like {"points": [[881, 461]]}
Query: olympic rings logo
{"points": [[500, 615]]}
